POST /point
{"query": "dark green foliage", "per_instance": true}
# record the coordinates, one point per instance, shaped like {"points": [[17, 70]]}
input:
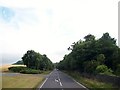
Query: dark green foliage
{"points": [[90, 66], [30, 71], [16, 69], [101, 58], [86, 55], [103, 69], [24, 70], [118, 70], [35, 60]]}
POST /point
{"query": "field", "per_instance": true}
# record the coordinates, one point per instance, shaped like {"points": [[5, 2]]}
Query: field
{"points": [[21, 81], [4, 68], [16, 80]]}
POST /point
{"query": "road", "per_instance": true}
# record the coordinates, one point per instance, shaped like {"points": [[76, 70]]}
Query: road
{"points": [[58, 80]]}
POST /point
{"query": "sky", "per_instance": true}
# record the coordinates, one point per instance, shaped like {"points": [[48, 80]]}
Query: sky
{"points": [[51, 26]]}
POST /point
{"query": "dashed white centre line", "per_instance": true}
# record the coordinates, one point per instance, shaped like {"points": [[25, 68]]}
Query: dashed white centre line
{"points": [[56, 80], [59, 80], [60, 84]]}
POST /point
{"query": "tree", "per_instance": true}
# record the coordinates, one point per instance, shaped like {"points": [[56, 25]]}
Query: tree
{"points": [[106, 37], [101, 58], [35, 60], [86, 55], [89, 37], [90, 66], [29, 59]]}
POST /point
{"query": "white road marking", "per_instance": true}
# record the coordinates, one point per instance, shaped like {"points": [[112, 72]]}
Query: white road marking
{"points": [[43, 82], [78, 83], [59, 80], [56, 80], [75, 80], [50, 73], [60, 84]]}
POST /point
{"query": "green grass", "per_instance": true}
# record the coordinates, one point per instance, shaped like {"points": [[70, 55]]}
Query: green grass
{"points": [[46, 72], [21, 81], [0, 82], [90, 83]]}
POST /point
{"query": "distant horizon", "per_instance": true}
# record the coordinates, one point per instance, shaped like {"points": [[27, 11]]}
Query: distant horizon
{"points": [[14, 59]]}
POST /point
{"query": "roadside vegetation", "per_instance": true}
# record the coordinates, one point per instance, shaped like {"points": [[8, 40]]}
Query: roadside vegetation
{"points": [[37, 61], [92, 56], [34, 62], [92, 84], [24, 70], [95, 56], [31, 74], [30, 80]]}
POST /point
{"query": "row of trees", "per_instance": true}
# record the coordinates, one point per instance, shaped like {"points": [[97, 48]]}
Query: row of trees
{"points": [[93, 55], [35, 60]]}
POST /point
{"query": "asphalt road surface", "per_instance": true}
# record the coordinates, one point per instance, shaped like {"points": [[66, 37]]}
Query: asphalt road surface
{"points": [[58, 80]]}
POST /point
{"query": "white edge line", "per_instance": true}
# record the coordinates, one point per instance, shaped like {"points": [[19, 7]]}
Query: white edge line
{"points": [[76, 81], [43, 83], [45, 80], [50, 73]]}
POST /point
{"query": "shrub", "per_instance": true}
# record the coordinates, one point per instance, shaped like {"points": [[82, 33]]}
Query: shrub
{"points": [[24, 70], [117, 72], [30, 71], [16, 69], [103, 69]]}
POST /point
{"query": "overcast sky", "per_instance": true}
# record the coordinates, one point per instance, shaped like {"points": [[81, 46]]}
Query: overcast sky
{"points": [[51, 26]]}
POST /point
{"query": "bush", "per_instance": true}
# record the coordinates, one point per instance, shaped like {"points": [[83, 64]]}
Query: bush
{"points": [[30, 71], [16, 69], [117, 72], [103, 69], [24, 70]]}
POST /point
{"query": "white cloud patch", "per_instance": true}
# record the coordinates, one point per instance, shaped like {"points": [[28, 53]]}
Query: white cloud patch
{"points": [[14, 17]]}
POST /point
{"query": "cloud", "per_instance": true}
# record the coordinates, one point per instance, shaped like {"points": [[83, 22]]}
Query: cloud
{"points": [[14, 17]]}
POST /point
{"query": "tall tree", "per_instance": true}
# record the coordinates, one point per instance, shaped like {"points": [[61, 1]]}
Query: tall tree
{"points": [[35, 60]]}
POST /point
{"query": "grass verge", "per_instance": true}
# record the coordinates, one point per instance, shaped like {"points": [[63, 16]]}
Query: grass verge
{"points": [[90, 83], [46, 72], [31, 81], [22, 81]]}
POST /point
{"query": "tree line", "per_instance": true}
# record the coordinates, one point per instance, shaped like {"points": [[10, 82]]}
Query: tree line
{"points": [[37, 61], [93, 55]]}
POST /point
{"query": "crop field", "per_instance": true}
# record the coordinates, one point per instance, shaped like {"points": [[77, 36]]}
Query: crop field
{"points": [[4, 68], [21, 81], [17, 80]]}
